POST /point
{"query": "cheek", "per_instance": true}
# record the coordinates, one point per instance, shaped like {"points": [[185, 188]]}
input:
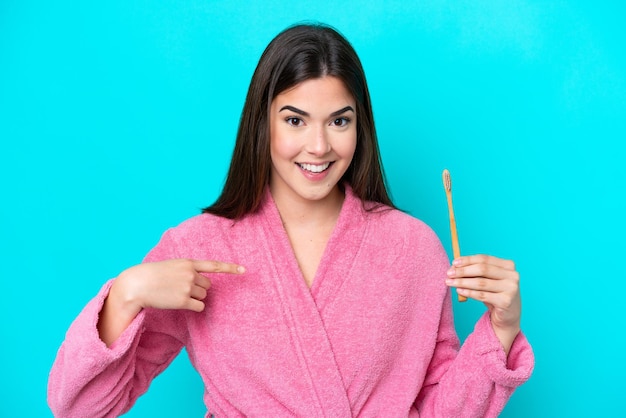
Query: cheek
{"points": [[348, 147], [281, 147]]}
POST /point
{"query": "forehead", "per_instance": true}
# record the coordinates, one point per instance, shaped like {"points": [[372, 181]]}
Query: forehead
{"points": [[326, 89]]}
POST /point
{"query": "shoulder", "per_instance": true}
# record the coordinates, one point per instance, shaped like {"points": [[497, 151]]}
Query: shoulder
{"points": [[390, 224], [201, 222], [410, 250], [395, 224], [408, 240], [175, 241], [193, 226]]}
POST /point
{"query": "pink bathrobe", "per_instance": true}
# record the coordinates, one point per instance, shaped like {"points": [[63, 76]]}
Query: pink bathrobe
{"points": [[373, 337]]}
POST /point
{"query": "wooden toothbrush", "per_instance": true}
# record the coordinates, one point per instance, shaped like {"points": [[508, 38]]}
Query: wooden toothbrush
{"points": [[447, 185]]}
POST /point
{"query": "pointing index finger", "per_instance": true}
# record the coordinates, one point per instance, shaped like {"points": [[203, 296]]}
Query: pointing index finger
{"points": [[212, 266]]}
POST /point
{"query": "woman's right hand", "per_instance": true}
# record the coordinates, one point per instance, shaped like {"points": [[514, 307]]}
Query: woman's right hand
{"points": [[169, 284]]}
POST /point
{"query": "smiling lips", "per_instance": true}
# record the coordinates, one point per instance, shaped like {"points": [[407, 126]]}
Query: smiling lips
{"points": [[314, 168]]}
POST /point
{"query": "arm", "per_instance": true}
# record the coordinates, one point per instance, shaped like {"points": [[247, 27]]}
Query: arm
{"points": [[478, 380], [90, 379], [128, 334]]}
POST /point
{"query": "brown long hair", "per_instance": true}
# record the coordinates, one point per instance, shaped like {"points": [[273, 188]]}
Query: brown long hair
{"points": [[297, 54]]}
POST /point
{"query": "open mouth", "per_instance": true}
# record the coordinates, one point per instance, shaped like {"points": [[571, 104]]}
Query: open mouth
{"points": [[315, 168]]}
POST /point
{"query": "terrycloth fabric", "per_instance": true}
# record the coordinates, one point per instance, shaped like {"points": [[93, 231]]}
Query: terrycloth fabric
{"points": [[373, 336]]}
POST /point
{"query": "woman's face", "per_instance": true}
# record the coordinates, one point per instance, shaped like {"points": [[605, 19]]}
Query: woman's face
{"points": [[312, 139]]}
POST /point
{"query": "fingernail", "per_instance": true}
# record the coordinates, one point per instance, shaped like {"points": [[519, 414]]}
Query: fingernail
{"points": [[449, 282], [450, 272], [456, 262], [241, 269]]}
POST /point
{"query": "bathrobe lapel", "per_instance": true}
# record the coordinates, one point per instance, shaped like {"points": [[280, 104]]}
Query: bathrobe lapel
{"points": [[301, 305], [335, 269]]}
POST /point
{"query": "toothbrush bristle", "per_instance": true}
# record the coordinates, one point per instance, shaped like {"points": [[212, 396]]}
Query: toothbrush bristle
{"points": [[447, 181]]}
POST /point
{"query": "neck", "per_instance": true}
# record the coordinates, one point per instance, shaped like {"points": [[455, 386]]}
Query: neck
{"points": [[310, 212]]}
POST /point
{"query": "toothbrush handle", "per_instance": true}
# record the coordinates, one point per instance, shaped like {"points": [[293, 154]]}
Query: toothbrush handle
{"points": [[456, 250]]}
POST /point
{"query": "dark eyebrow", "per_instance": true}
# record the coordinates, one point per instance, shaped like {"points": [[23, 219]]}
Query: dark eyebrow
{"points": [[341, 111], [303, 113], [294, 110]]}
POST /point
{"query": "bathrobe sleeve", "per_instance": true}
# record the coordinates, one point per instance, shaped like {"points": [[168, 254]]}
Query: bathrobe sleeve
{"points": [[89, 379], [478, 379]]}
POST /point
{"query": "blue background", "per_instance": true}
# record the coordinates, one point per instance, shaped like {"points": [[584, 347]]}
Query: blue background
{"points": [[117, 121]]}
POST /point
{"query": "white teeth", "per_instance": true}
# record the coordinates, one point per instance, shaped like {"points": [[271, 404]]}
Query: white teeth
{"points": [[314, 168]]}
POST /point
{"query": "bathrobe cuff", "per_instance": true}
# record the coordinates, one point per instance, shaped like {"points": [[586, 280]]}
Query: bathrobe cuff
{"points": [[509, 371]]}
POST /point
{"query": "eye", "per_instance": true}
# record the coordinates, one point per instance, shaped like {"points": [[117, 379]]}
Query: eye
{"points": [[342, 121], [293, 121]]}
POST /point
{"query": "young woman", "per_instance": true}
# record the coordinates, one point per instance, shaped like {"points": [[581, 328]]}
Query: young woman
{"points": [[301, 291]]}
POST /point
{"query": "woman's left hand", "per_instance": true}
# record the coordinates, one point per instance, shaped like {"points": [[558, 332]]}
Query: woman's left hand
{"points": [[495, 282]]}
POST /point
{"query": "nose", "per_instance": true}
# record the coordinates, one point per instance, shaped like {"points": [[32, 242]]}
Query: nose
{"points": [[318, 144]]}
